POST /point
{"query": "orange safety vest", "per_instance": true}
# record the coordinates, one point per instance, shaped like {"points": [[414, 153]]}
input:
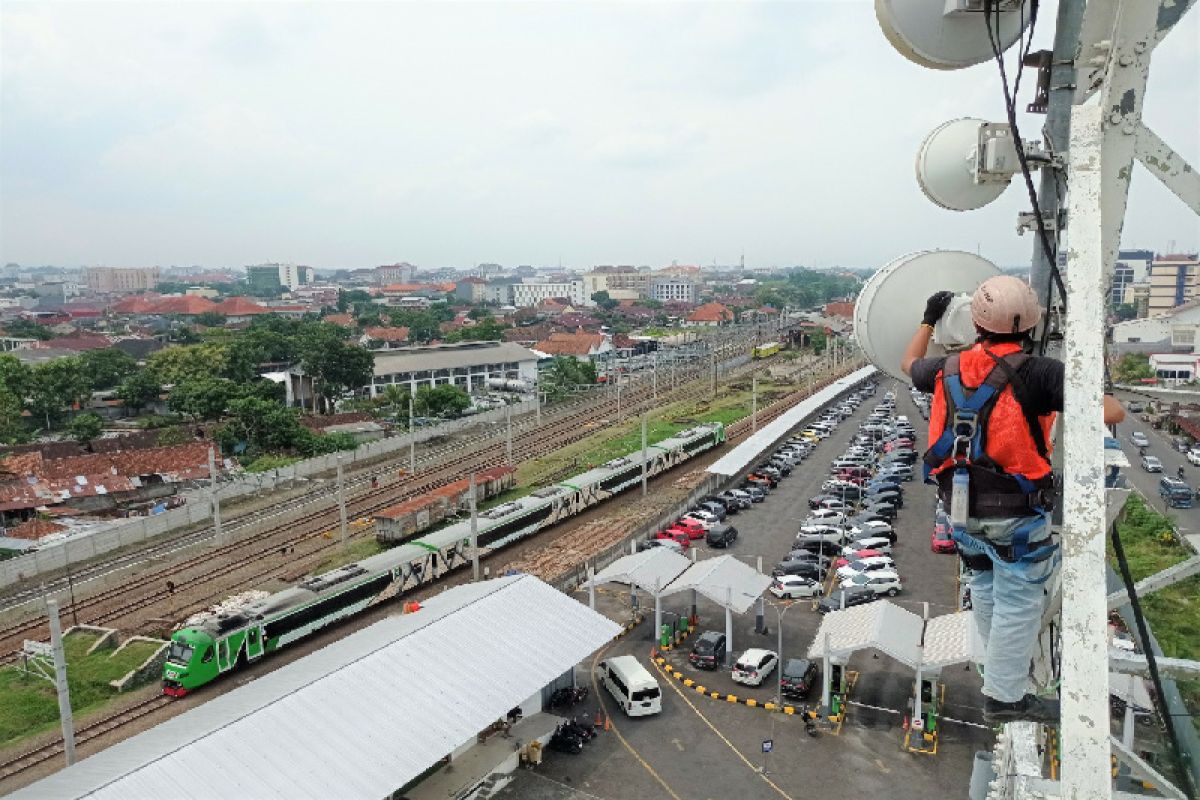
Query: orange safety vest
{"points": [[1007, 439]]}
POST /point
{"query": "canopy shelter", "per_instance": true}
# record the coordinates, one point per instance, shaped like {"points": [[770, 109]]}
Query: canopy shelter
{"points": [[765, 438], [948, 639], [651, 570], [724, 580]]}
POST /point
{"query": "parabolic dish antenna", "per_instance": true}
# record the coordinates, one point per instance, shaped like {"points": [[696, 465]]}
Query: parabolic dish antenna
{"points": [[946, 167], [925, 34], [891, 303]]}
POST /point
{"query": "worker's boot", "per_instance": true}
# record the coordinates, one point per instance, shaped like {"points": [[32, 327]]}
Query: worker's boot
{"points": [[1029, 708]]}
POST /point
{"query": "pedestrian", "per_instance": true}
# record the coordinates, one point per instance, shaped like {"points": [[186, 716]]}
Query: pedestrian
{"points": [[1180, 472], [992, 470]]}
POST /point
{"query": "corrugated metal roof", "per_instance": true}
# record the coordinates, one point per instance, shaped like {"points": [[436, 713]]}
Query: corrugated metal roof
{"points": [[724, 580], [652, 570], [361, 717], [752, 448], [449, 357], [949, 640]]}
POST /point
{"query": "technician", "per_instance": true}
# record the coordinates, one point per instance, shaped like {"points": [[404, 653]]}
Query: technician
{"points": [[989, 426]]}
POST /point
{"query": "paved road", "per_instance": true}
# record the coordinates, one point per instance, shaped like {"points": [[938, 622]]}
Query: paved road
{"points": [[1187, 520], [703, 748]]}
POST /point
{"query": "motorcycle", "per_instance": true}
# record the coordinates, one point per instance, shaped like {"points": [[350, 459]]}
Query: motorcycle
{"points": [[582, 727], [568, 696], [564, 740]]}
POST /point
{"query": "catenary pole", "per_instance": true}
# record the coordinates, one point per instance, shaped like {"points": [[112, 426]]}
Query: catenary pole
{"points": [[60, 681], [343, 529], [412, 436], [218, 533], [508, 447], [644, 448], [474, 531]]}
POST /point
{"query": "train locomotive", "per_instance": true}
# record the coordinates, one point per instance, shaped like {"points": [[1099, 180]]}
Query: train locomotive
{"points": [[212, 645]]}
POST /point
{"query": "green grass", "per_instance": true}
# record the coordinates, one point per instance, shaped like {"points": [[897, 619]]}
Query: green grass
{"points": [[1174, 612], [268, 463], [28, 703]]}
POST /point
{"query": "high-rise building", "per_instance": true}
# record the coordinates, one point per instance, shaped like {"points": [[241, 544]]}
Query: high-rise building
{"points": [[1174, 280], [1132, 267], [673, 290], [273, 278], [121, 279], [395, 273]]}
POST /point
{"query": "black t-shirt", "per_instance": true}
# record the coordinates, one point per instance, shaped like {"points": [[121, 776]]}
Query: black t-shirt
{"points": [[1043, 379]]}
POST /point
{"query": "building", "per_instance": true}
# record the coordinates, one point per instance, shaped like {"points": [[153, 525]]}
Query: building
{"points": [[1133, 267], [383, 338], [530, 294], [121, 279], [583, 346], [673, 290], [1174, 280], [274, 278], [627, 283], [471, 290], [1173, 369], [239, 309], [709, 315], [500, 291], [1138, 296], [395, 273], [467, 365]]}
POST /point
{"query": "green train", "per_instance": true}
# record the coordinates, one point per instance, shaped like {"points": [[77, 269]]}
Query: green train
{"points": [[221, 643]]}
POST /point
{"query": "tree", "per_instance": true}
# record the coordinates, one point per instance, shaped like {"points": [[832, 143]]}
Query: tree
{"points": [[189, 362], [422, 325], [106, 369], [1124, 311], [15, 376], [335, 365], [86, 427], [27, 329], [56, 386], [1132, 368], [210, 319], [139, 390], [446, 401], [12, 429], [257, 425], [604, 300], [202, 398], [566, 373]]}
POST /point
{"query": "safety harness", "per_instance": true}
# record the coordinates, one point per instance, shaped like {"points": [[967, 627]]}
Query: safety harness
{"points": [[991, 491]]}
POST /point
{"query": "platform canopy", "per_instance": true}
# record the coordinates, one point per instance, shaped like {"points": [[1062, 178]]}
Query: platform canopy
{"points": [[651, 570], [753, 447], [724, 580], [360, 717], [949, 639]]}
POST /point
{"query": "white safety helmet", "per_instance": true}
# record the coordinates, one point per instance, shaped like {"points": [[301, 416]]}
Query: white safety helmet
{"points": [[1005, 304]]}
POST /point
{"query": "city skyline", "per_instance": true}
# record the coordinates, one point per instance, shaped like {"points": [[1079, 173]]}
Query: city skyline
{"points": [[447, 135]]}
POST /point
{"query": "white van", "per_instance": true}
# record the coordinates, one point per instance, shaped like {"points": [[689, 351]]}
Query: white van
{"points": [[631, 684]]}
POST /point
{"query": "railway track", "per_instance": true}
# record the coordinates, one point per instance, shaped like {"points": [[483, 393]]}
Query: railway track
{"points": [[34, 757], [214, 563], [38, 755]]}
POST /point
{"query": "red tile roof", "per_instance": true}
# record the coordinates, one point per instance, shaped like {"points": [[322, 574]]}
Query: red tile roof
{"points": [[345, 320], [135, 304], [179, 462], [77, 343], [35, 529], [839, 310], [187, 306], [239, 307], [711, 312], [387, 334], [570, 344]]}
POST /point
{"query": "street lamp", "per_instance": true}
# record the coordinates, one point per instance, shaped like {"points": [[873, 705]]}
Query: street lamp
{"points": [[781, 609]]}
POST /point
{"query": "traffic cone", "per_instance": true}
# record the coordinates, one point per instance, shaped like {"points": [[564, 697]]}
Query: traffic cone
{"points": [[607, 723], [904, 725], [599, 721]]}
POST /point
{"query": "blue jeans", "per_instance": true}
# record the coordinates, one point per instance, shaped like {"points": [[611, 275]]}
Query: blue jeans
{"points": [[1007, 601]]}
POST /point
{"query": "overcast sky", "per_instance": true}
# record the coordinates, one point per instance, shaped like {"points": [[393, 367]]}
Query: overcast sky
{"points": [[522, 133]]}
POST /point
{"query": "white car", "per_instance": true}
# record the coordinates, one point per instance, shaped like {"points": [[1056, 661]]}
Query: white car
{"points": [[754, 665], [884, 581], [820, 533], [826, 516], [874, 528], [863, 565], [1193, 457], [880, 544], [792, 587]]}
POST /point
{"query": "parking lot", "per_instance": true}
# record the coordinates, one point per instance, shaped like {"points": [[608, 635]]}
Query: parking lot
{"points": [[700, 747]]}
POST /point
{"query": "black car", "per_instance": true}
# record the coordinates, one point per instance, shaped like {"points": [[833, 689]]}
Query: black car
{"points": [[798, 677], [709, 650], [770, 470], [855, 596], [886, 511], [805, 569], [782, 465], [824, 501], [721, 535], [811, 556], [756, 492], [828, 547], [733, 504], [891, 498], [868, 515], [884, 482]]}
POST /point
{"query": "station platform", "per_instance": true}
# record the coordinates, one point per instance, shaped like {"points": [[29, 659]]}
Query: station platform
{"points": [[467, 776]]}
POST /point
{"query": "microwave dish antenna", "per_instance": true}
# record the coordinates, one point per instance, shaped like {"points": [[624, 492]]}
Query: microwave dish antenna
{"points": [[950, 34]]}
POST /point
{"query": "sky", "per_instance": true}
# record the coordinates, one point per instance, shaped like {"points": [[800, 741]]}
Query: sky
{"points": [[454, 133]]}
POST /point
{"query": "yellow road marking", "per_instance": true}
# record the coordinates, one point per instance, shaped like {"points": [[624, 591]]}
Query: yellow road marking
{"points": [[632, 751], [723, 738]]}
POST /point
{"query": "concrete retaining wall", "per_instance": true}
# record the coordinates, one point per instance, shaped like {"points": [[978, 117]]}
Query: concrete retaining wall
{"points": [[149, 670]]}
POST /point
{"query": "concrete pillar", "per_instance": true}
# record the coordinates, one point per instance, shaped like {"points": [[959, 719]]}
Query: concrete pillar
{"points": [[728, 625], [591, 572]]}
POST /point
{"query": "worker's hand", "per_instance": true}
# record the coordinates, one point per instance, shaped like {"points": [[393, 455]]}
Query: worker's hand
{"points": [[935, 307]]}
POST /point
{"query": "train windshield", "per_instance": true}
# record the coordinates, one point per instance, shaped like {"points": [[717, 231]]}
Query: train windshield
{"points": [[180, 653]]}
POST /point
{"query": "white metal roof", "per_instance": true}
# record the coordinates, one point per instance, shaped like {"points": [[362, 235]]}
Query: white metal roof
{"points": [[949, 639], [879, 626], [361, 717], [740, 457], [651, 570], [720, 579]]}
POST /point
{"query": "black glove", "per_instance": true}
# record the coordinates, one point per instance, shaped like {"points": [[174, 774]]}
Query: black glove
{"points": [[935, 307]]}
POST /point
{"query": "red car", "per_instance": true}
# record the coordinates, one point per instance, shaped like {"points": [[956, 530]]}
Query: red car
{"points": [[841, 562], [906, 444], [941, 541], [692, 529], [683, 538]]}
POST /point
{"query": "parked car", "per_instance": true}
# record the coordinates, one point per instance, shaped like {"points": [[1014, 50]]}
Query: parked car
{"points": [[866, 565], [850, 557], [754, 665], [884, 581], [872, 528], [821, 533], [805, 569], [1151, 464], [709, 650], [827, 516], [846, 598], [942, 541], [811, 556], [792, 587], [1139, 439], [714, 508], [722, 535], [703, 518], [693, 527], [884, 510], [829, 502], [1193, 457], [676, 535], [668, 544], [798, 678]]}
